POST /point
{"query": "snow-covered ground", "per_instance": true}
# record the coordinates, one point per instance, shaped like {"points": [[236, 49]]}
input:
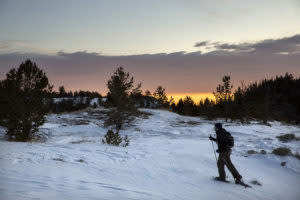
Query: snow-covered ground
{"points": [[169, 157]]}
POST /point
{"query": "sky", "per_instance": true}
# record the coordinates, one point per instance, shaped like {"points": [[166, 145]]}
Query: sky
{"points": [[184, 45]]}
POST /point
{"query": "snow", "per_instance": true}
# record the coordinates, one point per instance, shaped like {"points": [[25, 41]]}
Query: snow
{"points": [[76, 100], [94, 101], [169, 157], [60, 99]]}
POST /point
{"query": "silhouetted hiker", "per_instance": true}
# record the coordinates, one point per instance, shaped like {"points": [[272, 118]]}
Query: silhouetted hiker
{"points": [[225, 143]]}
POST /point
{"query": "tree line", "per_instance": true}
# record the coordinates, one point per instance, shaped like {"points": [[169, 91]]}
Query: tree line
{"points": [[63, 93], [269, 99], [26, 96]]}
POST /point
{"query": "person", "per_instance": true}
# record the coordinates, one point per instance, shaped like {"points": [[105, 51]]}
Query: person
{"points": [[225, 143]]}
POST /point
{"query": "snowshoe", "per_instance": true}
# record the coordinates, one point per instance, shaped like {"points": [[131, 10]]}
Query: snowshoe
{"points": [[221, 179], [240, 182]]}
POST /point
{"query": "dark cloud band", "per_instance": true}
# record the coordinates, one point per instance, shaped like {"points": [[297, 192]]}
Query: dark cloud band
{"points": [[179, 71], [287, 45]]}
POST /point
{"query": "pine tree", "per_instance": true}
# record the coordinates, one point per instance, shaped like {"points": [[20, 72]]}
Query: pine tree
{"points": [[223, 95], [3, 103], [115, 139], [112, 138], [160, 95], [26, 100], [172, 103], [180, 107], [147, 93], [188, 106], [120, 87], [136, 93], [62, 91]]}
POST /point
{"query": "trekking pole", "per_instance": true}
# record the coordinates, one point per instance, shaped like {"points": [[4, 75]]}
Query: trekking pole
{"points": [[214, 150]]}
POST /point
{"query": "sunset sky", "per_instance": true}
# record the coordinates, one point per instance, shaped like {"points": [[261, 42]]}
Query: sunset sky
{"points": [[184, 45]]}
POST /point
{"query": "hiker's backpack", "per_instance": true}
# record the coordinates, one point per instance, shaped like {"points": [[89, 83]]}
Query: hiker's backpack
{"points": [[229, 140]]}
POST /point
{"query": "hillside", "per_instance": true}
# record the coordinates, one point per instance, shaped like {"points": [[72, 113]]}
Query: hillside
{"points": [[169, 157]]}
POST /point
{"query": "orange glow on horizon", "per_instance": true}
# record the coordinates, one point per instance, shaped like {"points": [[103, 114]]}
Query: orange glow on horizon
{"points": [[195, 96]]}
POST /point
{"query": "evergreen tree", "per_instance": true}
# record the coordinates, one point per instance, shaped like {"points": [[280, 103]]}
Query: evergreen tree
{"points": [[147, 93], [3, 103], [239, 109], [76, 94], [120, 87], [180, 107], [25, 101], [62, 91], [223, 95], [136, 93], [189, 107], [160, 95], [70, 94], [172, 103], [115, 139]]}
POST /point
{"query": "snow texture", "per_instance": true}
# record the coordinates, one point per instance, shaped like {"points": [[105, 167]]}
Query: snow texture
{"points": [[169, 157]]}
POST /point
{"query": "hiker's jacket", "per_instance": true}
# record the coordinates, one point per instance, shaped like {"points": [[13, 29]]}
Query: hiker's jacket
{"points": [[222, 140]]}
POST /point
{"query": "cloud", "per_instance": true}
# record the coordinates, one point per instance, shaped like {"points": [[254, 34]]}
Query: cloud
{"points": [[178, 72], [235, 47], [200, 44], [4, 45], [287, 45], [21, 46]]}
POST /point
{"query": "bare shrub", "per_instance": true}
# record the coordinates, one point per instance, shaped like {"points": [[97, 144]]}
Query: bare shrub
{"points": [[263, 152], [58, 159], [251, 152], [81, 122], [282, 151], [126, 141], [144, 115], [286, 137], [81, 141], [194, 123]]}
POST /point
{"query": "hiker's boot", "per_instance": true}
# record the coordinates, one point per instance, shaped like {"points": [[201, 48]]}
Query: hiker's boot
{"points": [[220, 179], [238, 181]]}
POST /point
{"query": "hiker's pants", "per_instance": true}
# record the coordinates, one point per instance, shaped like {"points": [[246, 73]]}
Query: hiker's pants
{"points": [[224, 159]]}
